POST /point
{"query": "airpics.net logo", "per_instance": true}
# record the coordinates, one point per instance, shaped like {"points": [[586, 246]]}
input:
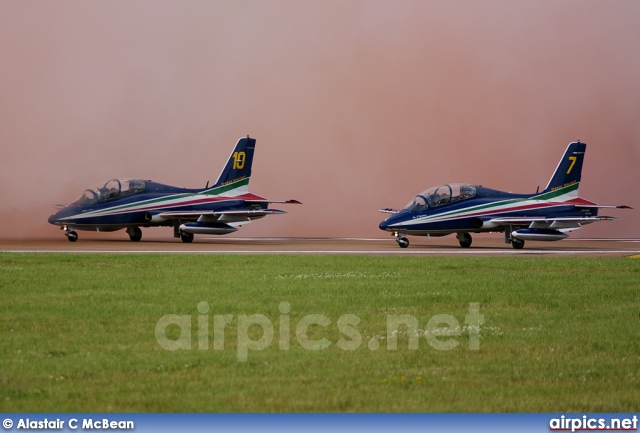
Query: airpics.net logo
{"points": [[257, 332], [591, 423]]}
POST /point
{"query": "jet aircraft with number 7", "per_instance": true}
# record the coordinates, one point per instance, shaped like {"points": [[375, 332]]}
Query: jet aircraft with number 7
{"points": [[464, 209], [133, 203]]}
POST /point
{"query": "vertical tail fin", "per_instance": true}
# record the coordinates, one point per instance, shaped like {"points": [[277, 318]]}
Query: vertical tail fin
{"points": [[236, 173], [567, 175]]}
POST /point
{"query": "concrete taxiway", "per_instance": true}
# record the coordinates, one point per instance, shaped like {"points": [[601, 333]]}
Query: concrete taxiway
{"points": [[419, 246]]}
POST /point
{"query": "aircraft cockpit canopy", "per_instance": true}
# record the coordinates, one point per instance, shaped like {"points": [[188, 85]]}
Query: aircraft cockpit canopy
{"points": [[441, 196], [109, 190]]}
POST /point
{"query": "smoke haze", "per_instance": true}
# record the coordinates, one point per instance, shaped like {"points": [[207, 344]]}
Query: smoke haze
{"points": [[355, 105]]}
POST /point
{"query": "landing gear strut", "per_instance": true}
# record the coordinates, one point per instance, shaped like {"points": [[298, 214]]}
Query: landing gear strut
{"points": [[465, 239]]}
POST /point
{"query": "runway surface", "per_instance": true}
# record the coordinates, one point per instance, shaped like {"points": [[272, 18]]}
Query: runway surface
{"points": [[356, 246]]}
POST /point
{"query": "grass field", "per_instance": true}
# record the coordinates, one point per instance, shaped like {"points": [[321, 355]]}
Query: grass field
{"points": [[79, 333]]}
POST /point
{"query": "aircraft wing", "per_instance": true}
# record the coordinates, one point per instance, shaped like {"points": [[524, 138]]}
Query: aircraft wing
{"points": [[230, 217], [215, 215], [249, 212], [557, 223], [389, 210], [622, 206], [274, 201]]}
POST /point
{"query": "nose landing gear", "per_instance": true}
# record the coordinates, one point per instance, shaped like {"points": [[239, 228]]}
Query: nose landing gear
{"points": [[70, 234], [402, 240]]}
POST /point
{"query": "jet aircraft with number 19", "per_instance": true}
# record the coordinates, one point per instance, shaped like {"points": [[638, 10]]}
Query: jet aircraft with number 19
{"points": [[133, 203], [464, 209]]}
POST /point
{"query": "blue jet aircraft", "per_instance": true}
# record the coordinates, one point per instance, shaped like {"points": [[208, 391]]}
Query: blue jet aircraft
{"points": [[464, 209], [133, 203]]}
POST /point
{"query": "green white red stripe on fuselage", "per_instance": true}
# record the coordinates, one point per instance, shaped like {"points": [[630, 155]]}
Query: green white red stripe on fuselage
{"points": [[493, 206]]}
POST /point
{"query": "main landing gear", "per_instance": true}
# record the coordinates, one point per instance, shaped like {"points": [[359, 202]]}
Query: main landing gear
{"points": [[187, 238], [465, 239], [135, 234], [516, 243]]}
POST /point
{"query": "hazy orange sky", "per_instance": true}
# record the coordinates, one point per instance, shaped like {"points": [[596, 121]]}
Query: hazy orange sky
{"points": [[355, 105]]}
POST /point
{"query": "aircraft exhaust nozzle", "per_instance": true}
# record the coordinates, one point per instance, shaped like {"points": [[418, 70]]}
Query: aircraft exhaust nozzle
{"points": [[538, 235], [148, 217], [480, 223], [207, 228]]}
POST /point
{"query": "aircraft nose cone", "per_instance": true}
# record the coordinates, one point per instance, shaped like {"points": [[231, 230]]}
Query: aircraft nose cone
{"points": [[384, 225], [52, 219]]}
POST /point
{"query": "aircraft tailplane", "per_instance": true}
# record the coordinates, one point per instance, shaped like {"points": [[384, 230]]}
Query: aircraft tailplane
{"points": [[237, 171], [568, 171]]}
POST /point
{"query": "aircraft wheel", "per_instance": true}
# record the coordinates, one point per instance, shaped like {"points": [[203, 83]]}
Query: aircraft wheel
{"points": [[403, 242], [464, 239], [72, 236], [187, 238], [517, 243], [135, 234]]}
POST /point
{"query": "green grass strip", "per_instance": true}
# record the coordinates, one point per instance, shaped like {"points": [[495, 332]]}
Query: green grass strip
{"points": [[79, 334]]}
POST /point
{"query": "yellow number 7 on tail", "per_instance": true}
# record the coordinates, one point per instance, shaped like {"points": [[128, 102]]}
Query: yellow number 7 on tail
{"points": [[573, 160]]}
